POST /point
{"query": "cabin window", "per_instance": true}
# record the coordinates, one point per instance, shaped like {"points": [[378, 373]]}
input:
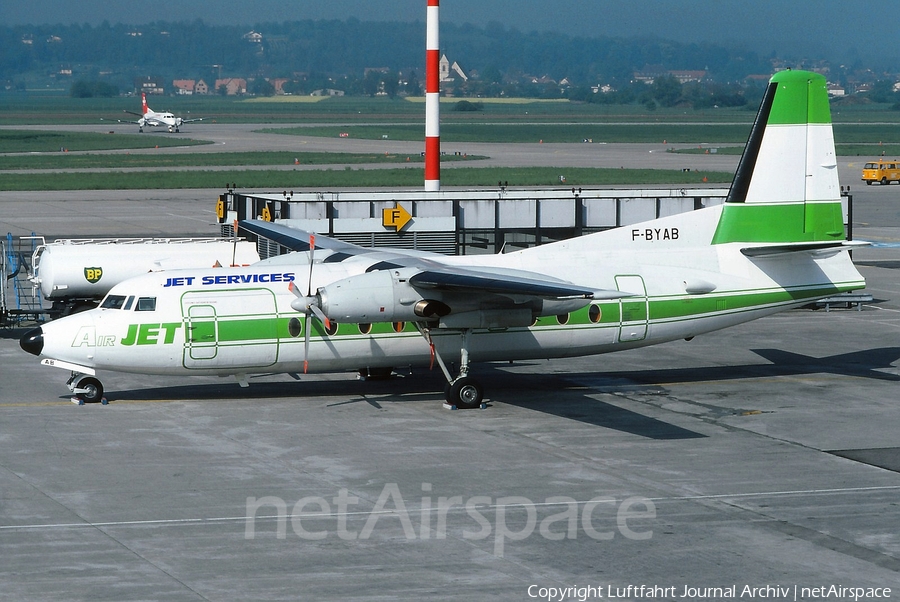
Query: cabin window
{"points": [[113, 302], [365, 328], [295, 327], [595, 313], [399, 326], [563, 318], [331, 328], [146, 304]]}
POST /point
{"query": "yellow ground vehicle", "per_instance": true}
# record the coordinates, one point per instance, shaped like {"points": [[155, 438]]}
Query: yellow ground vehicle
{"points": [[881, 170]]}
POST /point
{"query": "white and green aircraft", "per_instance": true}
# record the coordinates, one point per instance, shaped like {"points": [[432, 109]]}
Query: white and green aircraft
{"points": [[777, 242]]}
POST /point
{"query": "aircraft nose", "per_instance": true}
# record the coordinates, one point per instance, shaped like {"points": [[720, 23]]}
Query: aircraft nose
{"points": [[33, 341]]}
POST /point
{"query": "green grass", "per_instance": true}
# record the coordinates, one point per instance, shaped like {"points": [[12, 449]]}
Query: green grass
{"points": [[37, 108], [63, 161], [24, 109], [349, 178], [33, 141], [867, 150], [864, 130]]}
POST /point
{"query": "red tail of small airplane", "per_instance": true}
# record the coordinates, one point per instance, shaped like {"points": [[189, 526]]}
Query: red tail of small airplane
{"points": [[144, 108]]}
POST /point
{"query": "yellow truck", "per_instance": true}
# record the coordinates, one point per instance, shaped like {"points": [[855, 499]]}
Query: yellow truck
{"points": [[881, 170]]}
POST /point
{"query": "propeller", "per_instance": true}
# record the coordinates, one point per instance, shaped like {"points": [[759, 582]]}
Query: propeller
{"points": [[308, 304]]}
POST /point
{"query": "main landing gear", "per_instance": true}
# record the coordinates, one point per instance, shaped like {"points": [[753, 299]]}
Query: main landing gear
{"points": [[87, 389], [464, 391]]}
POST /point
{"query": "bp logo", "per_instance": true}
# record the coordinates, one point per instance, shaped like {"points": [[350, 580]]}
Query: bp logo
{"points": [[93, 275]]}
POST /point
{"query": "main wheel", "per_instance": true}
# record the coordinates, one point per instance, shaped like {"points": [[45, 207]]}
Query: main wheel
{"points": [[92, 390], [465, 392], [884, 181]]}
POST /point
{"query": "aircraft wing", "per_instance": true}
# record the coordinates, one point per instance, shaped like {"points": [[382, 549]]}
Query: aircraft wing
{"points": [[122, 120], [193, 120], [478, 281], [474, 282], [298, 240]]}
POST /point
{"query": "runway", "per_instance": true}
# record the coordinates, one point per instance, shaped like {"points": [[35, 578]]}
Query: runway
{"points": [[765, 455]]}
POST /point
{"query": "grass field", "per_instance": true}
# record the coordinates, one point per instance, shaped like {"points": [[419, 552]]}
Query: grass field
{"points": [[63, 161], [34, 141], [31, 108], [352, 178], [860, 130]]}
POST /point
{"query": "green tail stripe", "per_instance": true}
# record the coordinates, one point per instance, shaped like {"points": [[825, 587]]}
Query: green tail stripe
{"points": [[793, 222], [802, 98]]}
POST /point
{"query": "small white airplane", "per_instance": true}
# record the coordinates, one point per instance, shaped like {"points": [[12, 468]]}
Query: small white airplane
{"points": [[151, 118], [778, 242]]}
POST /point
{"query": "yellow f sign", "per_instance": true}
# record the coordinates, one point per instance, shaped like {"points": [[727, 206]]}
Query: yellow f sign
{"points": [[395, 218]]}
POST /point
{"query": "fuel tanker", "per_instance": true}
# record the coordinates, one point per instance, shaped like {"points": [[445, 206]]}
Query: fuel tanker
{"points": [[75, 274]]}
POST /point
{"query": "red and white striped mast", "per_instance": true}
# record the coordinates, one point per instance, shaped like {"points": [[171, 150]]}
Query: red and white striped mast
{"points": [[432, 99]]}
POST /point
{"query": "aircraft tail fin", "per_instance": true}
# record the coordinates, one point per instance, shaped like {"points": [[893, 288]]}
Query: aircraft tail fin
{"points": [[786, 187], [144, 108]]}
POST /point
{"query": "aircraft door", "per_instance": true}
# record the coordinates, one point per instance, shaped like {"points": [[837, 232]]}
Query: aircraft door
{"points": [[200, 338], [633, 311], [230, 329]]}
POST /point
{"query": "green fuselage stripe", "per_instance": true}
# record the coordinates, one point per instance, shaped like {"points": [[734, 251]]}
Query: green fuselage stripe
{"points": [[233, 331]]}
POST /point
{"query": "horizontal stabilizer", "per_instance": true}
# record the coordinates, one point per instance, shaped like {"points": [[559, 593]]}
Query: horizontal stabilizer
{"points": [[800, 247]]}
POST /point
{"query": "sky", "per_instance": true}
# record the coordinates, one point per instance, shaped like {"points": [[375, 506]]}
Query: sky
{"points": [[839, 30]]}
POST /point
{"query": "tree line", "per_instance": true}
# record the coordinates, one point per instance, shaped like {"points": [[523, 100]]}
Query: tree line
{"points": [[369, 58], [334, 48]]}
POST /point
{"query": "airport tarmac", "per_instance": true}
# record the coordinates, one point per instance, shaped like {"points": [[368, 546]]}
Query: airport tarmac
{"points": [[766, 455], [763, 455]]}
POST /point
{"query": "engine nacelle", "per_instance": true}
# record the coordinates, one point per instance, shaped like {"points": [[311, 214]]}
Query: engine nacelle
{"points": [[381, 296], [387, 296], [554, 307]]}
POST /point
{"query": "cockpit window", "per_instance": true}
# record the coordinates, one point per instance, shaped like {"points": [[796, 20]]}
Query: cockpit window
{"points": [[113, 302], [146, 304], [129, 303]]}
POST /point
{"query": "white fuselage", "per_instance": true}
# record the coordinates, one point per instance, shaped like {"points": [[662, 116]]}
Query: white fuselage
{"points": [[240, 320]]}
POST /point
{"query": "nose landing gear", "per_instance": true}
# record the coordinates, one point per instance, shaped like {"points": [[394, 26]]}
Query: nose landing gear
{"points": [[87, 389]]}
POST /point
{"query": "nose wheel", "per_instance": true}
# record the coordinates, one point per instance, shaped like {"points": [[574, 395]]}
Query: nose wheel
{"points": [[87, 389]]}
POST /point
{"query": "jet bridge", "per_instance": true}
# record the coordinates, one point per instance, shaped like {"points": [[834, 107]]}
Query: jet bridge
{"points": [[458, 222]]}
